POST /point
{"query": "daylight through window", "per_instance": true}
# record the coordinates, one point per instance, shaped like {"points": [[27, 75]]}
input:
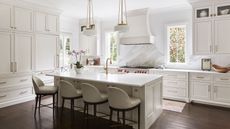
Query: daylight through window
{"points": [[176, 43]]}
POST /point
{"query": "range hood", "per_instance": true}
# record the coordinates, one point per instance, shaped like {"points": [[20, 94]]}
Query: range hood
{"points": [[139, 29]]}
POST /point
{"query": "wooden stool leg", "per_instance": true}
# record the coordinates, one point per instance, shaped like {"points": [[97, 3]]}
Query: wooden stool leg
{"points": [[63, 102], [123, 116], [118, 117], [57, 99], [139, 114], [71, 105], [53, 100], [95, 110], [84, 108], [36, 104], [111, 114], [40, 97]]}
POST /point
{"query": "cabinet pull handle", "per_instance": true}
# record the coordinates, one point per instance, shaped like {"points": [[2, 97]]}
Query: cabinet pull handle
{"points": [[23, 92], [11, 67], [200, 77], [224, 79], [1, 83], [23, 80], [3, 96], [216, 48], [15, 67], [214, 15]]}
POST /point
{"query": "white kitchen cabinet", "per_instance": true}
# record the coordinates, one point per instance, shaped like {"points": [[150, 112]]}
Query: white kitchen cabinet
{"points": [[5, 56], [200, 90], [203, 37], [23, 52], [221, 93], [5, 16], [89, 44], [211, 28], [46, 23], [23, 19], [222, 38], [46, 55]]}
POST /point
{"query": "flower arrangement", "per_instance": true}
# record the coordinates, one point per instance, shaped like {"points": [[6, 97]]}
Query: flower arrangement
{"points": [[77, 55]]}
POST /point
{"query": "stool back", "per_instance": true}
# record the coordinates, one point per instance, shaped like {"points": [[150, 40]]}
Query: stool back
{"points": [[37, 83], [90, 93], [118, 98], [67, 89]]}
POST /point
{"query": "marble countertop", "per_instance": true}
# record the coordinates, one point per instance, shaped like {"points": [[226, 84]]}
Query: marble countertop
{"points": [[129, 79]]}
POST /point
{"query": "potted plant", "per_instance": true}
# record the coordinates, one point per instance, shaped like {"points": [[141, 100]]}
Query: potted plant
{"points": [[77, 55]]}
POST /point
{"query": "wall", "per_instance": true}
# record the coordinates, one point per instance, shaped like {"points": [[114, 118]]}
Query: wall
{"points": [[158, 22], [70, 25]]}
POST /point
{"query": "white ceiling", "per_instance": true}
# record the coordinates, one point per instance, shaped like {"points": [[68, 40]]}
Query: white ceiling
{"points": [[108, 8]]}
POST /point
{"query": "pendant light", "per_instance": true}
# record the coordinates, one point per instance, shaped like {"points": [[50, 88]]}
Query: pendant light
{"points": [[122, 18], [90, 26]]}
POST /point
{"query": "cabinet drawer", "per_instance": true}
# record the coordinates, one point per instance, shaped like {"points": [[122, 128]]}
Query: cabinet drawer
{"points": [[175, 83], [175, 75], [201, 77], [221, 79], [12, 94], [15, 81], [174, 92]]}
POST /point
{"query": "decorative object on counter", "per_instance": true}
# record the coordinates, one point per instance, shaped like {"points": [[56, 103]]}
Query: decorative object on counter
{"points": [[206, 64], [89, 29], [220, 69], [77, 55], [93, 61], [122, 18]]}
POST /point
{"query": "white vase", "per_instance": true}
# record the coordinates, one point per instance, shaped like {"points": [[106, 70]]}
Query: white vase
{"points": [[78, 70]]}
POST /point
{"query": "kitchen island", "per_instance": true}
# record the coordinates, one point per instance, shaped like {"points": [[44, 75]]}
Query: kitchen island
{"points": [[147, 87]]}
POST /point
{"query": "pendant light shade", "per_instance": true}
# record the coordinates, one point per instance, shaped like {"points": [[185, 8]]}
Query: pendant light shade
{"points": [[90, 26], [122, 18]]}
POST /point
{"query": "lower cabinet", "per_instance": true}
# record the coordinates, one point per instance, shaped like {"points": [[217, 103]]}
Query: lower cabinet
{"points": [[213, 88], [200, 90], [221, 93], [14, 90]]}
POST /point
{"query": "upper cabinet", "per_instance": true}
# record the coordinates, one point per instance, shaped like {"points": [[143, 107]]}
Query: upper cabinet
{"points": [[15, 18], [47, 23], [211, 28], [5, 16], [23, 19]]}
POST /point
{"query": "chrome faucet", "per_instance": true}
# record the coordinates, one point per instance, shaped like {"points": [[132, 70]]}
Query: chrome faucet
{"points": [[107, 65]]}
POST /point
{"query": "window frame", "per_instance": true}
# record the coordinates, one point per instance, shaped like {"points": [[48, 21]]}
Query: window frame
{"points": [[107, 46], [168, 42]]}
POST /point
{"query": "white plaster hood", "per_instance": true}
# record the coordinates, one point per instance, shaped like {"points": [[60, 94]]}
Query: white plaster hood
{"points": [[139, 29]]}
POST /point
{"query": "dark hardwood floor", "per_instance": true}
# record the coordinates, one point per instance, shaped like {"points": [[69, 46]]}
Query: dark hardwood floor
{"points": [[194, 116]]}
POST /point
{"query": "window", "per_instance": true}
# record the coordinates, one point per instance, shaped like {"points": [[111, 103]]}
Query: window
{"points": [[112, 46], [176, 44]]}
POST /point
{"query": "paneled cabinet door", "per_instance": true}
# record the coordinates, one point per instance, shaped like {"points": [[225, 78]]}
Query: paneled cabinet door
{"points": [[23, 52], [46, 46], [221, 93], [52, 24], [5, 17], [201, 90], [222, 38], [203, 37], [40, 22], [23, 19], [5, 56]]}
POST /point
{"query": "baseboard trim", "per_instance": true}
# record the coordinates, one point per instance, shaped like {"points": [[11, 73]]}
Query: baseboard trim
{"points": [[16, 101]]}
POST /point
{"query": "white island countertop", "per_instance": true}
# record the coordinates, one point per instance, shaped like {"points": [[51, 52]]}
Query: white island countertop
{"points": [[129, 79]]}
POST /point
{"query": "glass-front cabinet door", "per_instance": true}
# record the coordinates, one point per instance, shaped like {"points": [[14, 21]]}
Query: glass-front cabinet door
{"points": [[222, 10], [203, 13], [65, 46]]}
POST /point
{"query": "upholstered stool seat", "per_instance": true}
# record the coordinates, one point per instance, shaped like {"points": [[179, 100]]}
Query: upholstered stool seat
{"points": [[120, 101], [68, 91], [92, 96], [42, 90]]}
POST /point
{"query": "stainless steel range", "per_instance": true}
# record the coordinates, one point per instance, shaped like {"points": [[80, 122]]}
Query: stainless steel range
{"points": [[140, 69]]}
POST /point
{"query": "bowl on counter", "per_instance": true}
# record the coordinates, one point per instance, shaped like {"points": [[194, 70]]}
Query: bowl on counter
{"points": [[220, 69]]}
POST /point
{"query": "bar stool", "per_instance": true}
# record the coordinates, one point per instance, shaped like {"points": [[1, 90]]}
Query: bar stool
{"points": [[43, 90], [120, 101], [92, 96], [69, 92]]}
